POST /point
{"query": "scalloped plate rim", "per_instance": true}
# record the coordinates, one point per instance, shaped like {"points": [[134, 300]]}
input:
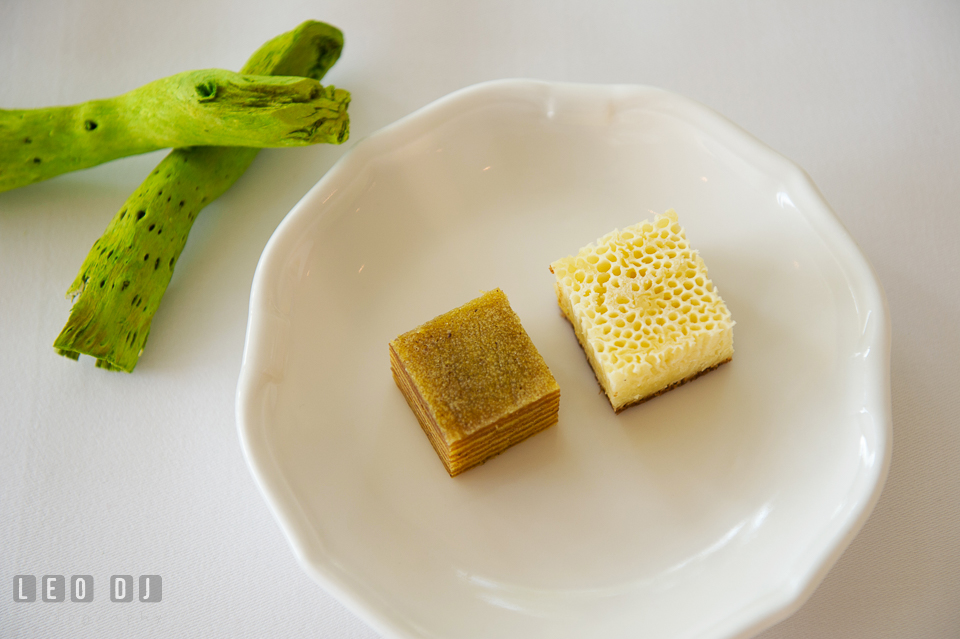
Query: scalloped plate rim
{"points": [[257, 368]]}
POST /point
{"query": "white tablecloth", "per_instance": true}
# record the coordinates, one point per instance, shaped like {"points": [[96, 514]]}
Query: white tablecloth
{"points": [[104, 473]]}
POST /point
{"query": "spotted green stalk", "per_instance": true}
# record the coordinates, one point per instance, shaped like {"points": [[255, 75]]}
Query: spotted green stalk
{"points": [[195, 108], [126, 273]]}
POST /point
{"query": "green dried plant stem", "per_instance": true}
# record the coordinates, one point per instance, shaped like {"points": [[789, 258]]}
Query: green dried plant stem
{"points": [[308, 51], [126, 273], [211, 107]]}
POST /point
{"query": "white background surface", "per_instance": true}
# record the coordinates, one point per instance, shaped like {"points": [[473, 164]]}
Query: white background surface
{"points": [[104, 473]]}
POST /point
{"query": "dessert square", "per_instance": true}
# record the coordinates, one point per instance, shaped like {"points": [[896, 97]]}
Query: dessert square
{"points": [[644, 310], [475, 381]]}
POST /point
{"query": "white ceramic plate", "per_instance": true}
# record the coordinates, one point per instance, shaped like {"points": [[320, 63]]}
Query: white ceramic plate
{"points": [[711, 511]]}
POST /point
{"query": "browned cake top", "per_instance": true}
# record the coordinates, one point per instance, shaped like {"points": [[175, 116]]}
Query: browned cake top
{"points": [[474, 365]]}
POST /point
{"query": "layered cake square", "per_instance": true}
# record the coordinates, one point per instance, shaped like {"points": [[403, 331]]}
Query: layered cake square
{"points": [[475, 381], [644, 310]]}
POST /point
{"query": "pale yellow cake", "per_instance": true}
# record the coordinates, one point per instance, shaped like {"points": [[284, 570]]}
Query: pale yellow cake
{"points": [[644, 310]]}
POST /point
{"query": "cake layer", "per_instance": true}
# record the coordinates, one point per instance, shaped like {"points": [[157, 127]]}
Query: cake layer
{"points": [[511, 430], [483, 443], [644, 310], [475, 381]]}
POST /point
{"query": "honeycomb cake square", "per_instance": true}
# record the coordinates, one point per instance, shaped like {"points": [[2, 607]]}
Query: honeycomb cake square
{"points": [[644, 310], [475, 381]]}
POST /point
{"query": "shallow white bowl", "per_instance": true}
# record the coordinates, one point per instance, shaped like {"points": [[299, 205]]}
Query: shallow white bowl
{"points": [[711, 511]]}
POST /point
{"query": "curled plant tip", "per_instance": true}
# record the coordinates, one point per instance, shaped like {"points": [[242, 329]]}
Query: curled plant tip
{"points": [[126, 273], [211, 107]]}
